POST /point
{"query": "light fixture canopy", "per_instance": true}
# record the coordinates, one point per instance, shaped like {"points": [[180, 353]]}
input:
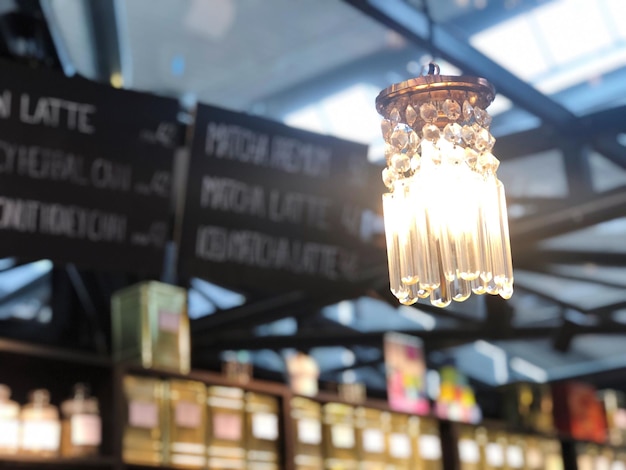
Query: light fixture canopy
{"points": [[445, 213]]}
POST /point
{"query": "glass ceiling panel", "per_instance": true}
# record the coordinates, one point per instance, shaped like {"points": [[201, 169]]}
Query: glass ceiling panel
{"points": [[583, 295], [605, 175], [572, 50], [539, 175], [607, 237], [238, 53], [532, 310], [591, 272]]}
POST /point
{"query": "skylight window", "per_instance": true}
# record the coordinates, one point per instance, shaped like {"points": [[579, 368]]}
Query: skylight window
{"points": [[559, 44], [346, 114], [513, 45], [616, 10], [572, 29]]}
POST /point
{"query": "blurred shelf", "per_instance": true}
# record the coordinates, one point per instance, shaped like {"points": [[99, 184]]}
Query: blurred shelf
{"points": [[19, 461], [52, 353]]}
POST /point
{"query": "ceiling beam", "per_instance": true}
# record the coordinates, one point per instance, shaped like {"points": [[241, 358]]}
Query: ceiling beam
{"points": [[318, 338], [525, 143], [111, 51], [540, 258], [519, 285], [415, 26], [610, 148], [572, 216], [296, 303], [386, 296], [607, 120], [577, 168], [264, 310], [541, 267]]}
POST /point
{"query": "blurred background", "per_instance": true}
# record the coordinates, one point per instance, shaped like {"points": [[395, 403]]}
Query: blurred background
{"points": [[559, 67]]}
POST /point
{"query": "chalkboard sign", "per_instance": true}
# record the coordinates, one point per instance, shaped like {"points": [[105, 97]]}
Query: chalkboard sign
{"points": [[274, 208], [85, 171]]}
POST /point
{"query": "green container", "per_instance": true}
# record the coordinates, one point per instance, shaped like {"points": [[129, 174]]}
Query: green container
{"points": [[150, 326]]}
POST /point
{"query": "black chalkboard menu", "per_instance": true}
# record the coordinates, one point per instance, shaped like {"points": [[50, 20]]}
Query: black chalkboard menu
{"points": [[85, 171], [273, 208]]}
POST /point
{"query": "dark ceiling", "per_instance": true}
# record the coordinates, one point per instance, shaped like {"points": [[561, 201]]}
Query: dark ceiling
{"points": [[560, 119]]}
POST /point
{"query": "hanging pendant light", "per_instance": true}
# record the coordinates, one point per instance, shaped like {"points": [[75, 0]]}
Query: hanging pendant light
{"points": [[445, 213]]}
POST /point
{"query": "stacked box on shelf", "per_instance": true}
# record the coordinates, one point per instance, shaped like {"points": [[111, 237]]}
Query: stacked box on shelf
{"points": [[596, 457], [262, 429], [186, 417], [429, 452], [151, 327], [578, 412], [494, 449], [340, 450], [143, 434], [371, 433], [468, 448], [307, 416], [225, 428], [401, 441]]}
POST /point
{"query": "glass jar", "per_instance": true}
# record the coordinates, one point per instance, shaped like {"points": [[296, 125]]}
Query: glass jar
{"points": [[41, 428], [9, 422], [81, 427]]}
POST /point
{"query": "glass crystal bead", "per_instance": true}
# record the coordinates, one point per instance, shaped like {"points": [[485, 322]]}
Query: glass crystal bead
{"points": [[389, 177], [451, 109], [453, 133], [394, 116], [438, 302], [484, 141], [423, 293], [468, 111], [401, 294], [408, 300], [386, 126], [471, 157], [431, 132], [468, 134], [482, 117], [416, 162], [399, 138], [478, 287], [506, 292], [488, 162], [428, 112], [400, 162], [414, 141], [410, 114], [389, 151]]}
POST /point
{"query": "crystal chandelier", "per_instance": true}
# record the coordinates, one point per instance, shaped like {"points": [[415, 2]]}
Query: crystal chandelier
{"points": [[445, 213]]}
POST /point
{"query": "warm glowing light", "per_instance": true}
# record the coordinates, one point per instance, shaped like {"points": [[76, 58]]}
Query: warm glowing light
{"points": [[117, 80], [445, 213]]}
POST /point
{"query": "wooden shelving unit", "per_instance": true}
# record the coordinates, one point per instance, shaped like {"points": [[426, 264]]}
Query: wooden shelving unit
{"points": [[25, 366]]}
